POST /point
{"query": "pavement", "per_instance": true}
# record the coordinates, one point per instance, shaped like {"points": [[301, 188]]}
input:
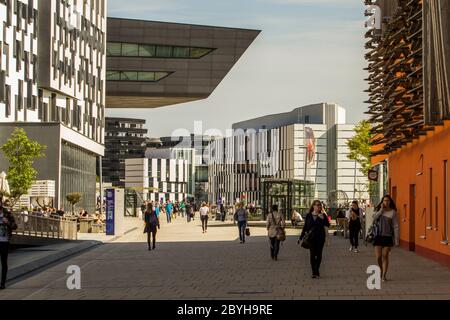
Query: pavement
{"points": [[189, 264], [23, 261]]}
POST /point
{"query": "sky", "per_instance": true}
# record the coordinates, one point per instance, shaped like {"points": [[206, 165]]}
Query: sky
{"points": [[308, 51]]}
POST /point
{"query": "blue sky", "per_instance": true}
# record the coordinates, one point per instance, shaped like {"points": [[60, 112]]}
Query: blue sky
{"points": [[309, 51]]}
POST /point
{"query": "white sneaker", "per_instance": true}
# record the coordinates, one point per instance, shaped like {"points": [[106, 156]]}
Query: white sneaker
{"points": [[350, 249], [356, 250]]}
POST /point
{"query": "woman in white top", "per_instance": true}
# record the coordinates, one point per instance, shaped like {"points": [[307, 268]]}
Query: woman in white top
{"points": [[204, 211]]}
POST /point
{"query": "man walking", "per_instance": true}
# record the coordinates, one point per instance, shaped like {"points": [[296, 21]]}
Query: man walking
{"points": [[169, 208], [7, 225]]}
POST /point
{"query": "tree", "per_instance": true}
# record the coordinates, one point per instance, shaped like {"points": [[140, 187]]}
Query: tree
{"points": [[21, 153], [73, 198], [360, 146]]}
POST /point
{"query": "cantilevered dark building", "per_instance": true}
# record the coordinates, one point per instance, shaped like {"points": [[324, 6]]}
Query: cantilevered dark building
{"points": [[125, 138], [154, 64]]}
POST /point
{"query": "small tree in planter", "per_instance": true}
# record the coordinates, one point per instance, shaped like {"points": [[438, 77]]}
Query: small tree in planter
{"points": [[73, 198]]}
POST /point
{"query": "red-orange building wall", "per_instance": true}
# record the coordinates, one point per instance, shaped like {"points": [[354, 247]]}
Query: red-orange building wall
{"points": [[416, 174]]}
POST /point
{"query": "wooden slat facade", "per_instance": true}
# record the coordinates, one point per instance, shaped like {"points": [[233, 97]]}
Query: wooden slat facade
{"points": [[396, 78]]}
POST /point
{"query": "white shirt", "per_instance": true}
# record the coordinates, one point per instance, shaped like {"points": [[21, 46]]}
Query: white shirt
{"points": [[204, 211]]}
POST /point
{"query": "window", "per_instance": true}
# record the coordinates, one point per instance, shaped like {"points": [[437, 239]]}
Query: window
{"points": [[117, 49], [164, 51], [146, 50], [199, 52], [144, 76], [129, 75], [113, 49], [181, 52], [112, 75], [129, 49]]}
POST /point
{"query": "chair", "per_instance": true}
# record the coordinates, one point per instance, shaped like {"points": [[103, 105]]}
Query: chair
{"points": [[342, 226]]}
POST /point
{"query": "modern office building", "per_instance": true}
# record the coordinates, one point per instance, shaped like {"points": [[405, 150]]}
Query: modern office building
{"points": [[125, 138], [153, 64], [288, 158], [52, 84], [164, 174], [410, 110]]}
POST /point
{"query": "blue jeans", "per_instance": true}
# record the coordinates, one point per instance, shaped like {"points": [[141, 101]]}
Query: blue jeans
{"points": [[242, 225], [169, 216]]}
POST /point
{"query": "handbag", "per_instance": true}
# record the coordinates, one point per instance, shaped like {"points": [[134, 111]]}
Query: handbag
{"points": [[306, 242], [373, 232], [247, 232], [281, 233]]}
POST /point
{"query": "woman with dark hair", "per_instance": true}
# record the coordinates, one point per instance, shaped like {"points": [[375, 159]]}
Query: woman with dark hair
{"points": [[317, 224], [388, 235], [354, 217], [275, 220], [151, 222]]}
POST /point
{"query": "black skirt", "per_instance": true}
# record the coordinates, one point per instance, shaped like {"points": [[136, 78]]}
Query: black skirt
{"points": [[384, 241]]}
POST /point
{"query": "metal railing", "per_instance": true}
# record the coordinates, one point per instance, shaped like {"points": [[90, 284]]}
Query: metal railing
{"points": [[38, 226]]}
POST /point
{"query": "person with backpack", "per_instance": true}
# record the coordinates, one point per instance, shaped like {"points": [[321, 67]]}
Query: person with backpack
{"points": [[315, 233], [386, 217], [354, 217], [241, 216], [275, 221], [151, 222], [7, 226]]}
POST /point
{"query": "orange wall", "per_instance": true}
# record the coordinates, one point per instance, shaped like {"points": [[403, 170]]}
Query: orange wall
{"points": [[404, 165]]}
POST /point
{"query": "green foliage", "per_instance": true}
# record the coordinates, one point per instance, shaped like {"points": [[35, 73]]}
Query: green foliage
{"points": [[360, 146], [21, 153], [73, 198]]}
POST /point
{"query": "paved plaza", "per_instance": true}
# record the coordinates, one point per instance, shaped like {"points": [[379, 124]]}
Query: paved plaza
{"points": [[188, 264]]}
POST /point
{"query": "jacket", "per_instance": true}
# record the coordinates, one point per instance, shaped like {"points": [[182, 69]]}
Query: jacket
{"points": [[11, 225], [271, 226], [151, 221], [241, 215], [317, 228]]}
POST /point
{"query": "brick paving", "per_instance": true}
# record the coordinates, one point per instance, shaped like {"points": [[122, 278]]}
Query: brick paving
{"points": [[190, 265]]}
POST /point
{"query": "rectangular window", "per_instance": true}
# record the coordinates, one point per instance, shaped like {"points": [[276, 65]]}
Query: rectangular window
{"points": [[164, 51], [181, 52], [112, 75], [113, 49], [146, 50], [130, 49], [7, 101], [129, 76], [146, 76]]}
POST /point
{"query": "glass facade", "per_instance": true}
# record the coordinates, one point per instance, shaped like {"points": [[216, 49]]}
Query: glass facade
{"points": [[143, 76], [117, 49], [78, 174]]}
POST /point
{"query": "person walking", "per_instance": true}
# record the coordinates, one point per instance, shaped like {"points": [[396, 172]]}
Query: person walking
{"points": [[183, 208], [204, 211], [241, 216], [7, 225], [317, 224], [157, 209], [151, 223], [168, 211], [354, 217], [188, 211], [387, 218], [274, 220]]}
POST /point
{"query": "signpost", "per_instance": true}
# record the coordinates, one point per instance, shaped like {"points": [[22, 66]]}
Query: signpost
{"points": [[110, 214]]}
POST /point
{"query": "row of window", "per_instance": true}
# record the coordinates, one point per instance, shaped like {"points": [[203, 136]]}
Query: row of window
{"points": [[145, 76], [118, 49]]}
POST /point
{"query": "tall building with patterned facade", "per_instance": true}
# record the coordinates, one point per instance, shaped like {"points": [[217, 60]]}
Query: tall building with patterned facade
{"points": [[289, 159], [52, 84]]}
